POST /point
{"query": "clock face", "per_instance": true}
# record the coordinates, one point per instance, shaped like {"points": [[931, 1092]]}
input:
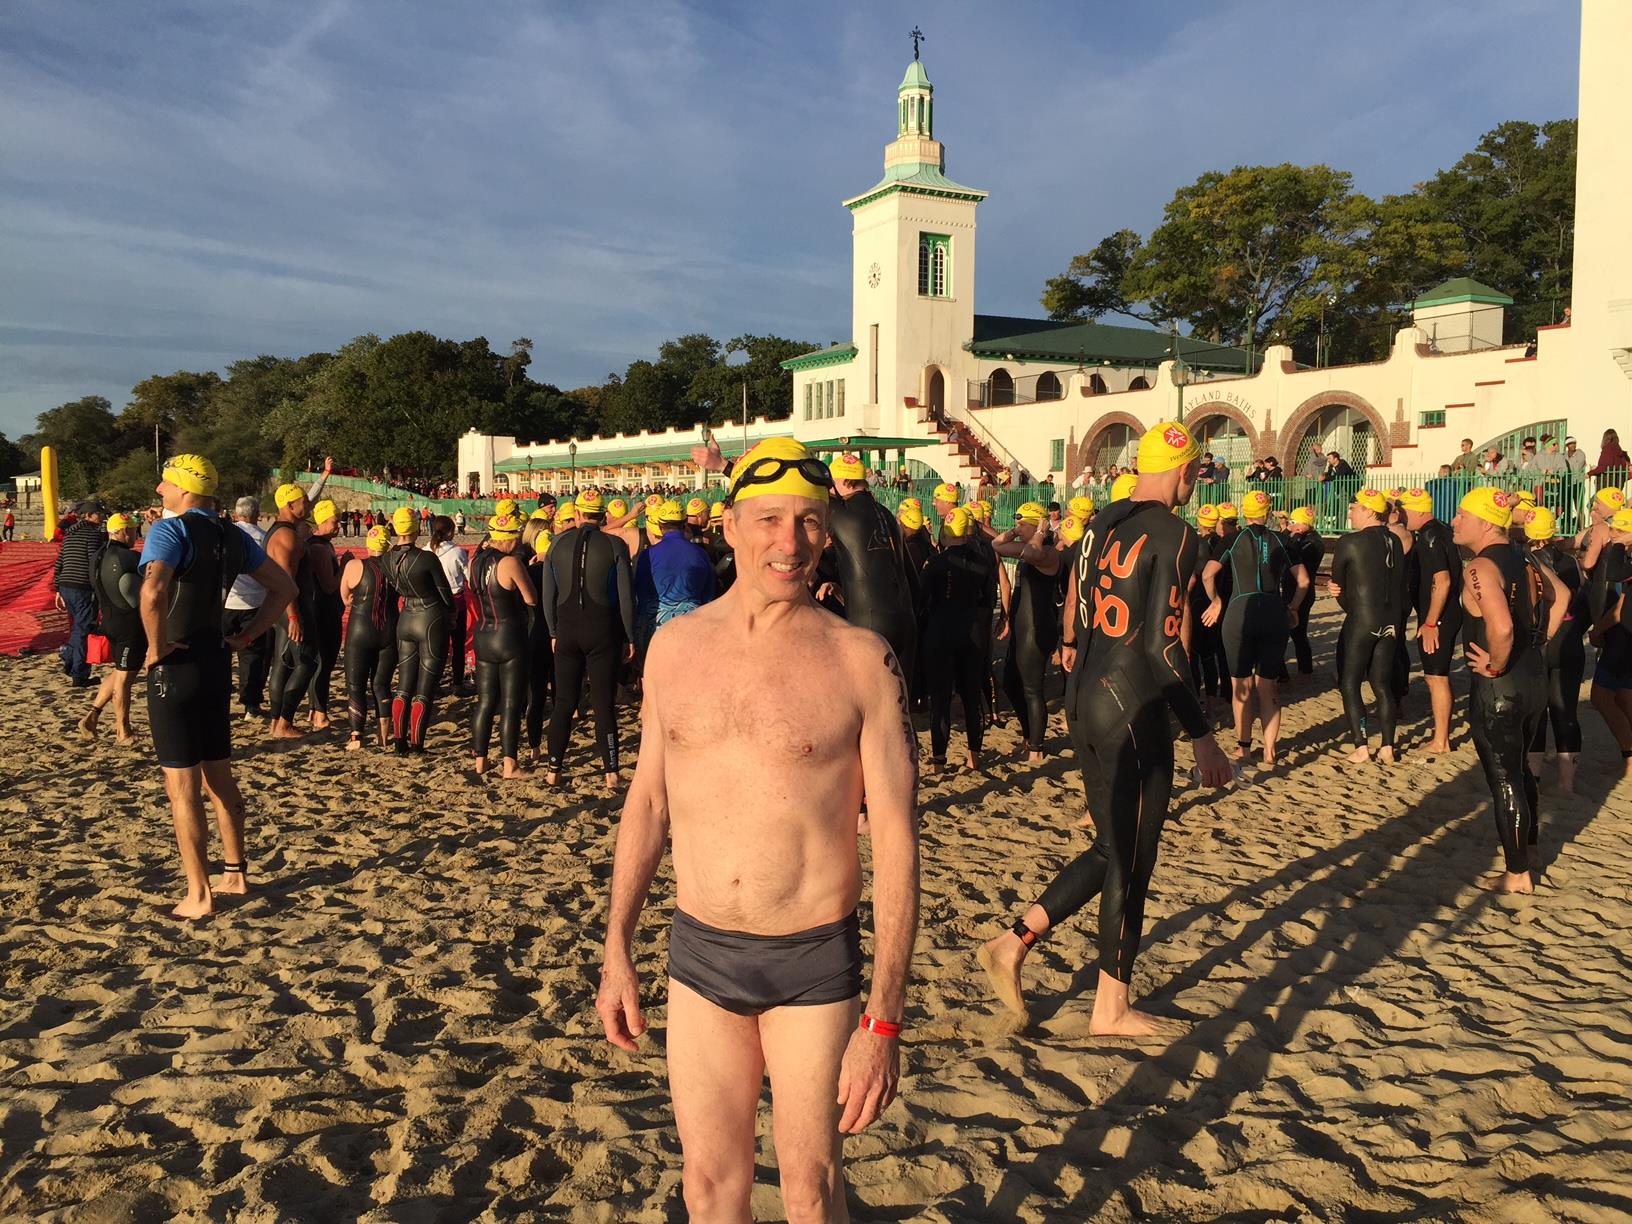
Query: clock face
{"points": [[874, 275]]}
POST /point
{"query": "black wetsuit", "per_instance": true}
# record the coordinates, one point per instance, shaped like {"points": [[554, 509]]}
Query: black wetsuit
{"points": [[118, 585], [1307, 549], [1134, 571], [1503, 711], [589, 604], [1435, 553], [918, 547], [984, 628], [540, 659], [1034, 635], [958, 584], [293, 663], [867, 561], [1254, 619], [330, 622], [1369, 566], [503, 623], [371, 647], [1214, 680], [1565, 655], [721, 557], [422, 639]]}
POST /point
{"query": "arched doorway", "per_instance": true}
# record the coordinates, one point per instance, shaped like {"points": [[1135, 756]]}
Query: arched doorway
{"points": [[501, 483], [1116, 444], [1227, 441], [1048, 386], [1000, 388], [1340, 428]]}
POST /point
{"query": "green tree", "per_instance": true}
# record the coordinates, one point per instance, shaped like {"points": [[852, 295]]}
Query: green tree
{"points": [[1092, 283], [13, 458], [770, 388], [85, 438], [168, 402], [131, 483]]}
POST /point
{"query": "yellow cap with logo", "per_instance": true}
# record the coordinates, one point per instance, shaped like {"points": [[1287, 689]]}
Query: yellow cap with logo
{"points": [[959, 522], [1227, 510], [1207, 516], [1122, 486], [668, 512], [1072, 529], [1419, 501], [589, 502], [378, 539], [1492, 505], [910, 519], [286, 494], [1255, 505], [1372, 500], [914, 502], [696, 506], [1613, 498], [1621, 520], [947, 493], [1030, 512], [192, 474], [404, 521], [1081, 507], [119, 522], [617, 507], [505, 505], [566, 513], [780, 467], [323, 511], [1304, 515], [716, 512], [504, 527], [848, 466], [1165, 446], [1541, 525]]}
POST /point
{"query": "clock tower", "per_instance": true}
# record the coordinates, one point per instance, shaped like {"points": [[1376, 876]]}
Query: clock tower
{"points": [[912, 269]]}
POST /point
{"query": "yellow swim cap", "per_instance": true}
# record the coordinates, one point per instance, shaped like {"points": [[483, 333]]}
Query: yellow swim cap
{"points": [[780, 467], [1621, 520], [668, 512], [1081, 507], [716, 512], [1542, 524], [506, 505], [1491, 505], [541, 513], [910, 519], [1072, 529], [1122, 486], [696, 506], [1029, 512], [1227, 510], [947, 493], [1417, 500], [913, 502], [566, 513], [1207, 515], [1522, 497], [1165, 446], [1613, 498], [848, 467], [323, 512], [590, 503], [959, 522], [118, 522], [404, 521], [192, 474], [378, 540], [288, 493], [654, 500], [1255, 505], [617, 507], [503, 527], [982, 510], [1304, 515], [1372, 500]]}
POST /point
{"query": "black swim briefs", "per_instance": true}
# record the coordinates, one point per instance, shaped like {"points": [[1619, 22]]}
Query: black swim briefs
{"points": [[749, 974]]}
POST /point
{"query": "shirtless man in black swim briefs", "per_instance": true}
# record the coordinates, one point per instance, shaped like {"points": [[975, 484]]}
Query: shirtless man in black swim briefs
{"points": [[1133, 575], [765, 719]]}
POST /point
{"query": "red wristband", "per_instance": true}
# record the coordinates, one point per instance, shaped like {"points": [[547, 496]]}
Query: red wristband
{"points": [[882, 1028]]}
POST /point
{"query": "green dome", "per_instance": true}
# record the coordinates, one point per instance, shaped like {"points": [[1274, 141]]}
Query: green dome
{"points": [[916, 78]]}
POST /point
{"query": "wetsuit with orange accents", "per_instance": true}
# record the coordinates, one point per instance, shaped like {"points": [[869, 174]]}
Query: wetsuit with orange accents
{"points": [[1133, 575]]}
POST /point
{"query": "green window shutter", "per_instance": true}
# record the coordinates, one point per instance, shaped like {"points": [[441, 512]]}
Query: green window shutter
{"points": [[935, 265], [841, 397], [1432, 418], [807, 401], [1056, 455]]}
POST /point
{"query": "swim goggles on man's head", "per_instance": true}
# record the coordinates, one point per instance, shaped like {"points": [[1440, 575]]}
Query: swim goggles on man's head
{"points": [[769, 469]]}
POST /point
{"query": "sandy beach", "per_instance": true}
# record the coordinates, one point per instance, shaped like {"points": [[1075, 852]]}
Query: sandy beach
{"points": [[398, 1023]]}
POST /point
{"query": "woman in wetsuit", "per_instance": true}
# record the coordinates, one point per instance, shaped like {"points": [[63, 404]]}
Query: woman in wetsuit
{"points": [[422, 631], [1034, 620], [1566, 654], [865, 559], [329, 609], [504, 600], [1368, 578], [1303, 542], [535, 546], [371, 639], [959, 583], [1205, 672]]}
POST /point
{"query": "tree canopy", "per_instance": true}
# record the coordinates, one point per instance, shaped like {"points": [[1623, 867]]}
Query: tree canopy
{"points": [[1294, 255]]}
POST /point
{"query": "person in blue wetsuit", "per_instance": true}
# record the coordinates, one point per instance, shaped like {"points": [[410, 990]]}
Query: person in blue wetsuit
{"points": [[672, 577]]}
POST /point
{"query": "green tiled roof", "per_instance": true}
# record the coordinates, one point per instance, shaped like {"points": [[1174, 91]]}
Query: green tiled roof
{"points": [[1005, 337], [834, 354], [1463, 289], [916, 78], [918, 178]]}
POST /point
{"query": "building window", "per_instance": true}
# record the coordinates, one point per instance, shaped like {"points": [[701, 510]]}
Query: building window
{"points": [[841, 397], [807, 401], [1056, 455], [934, 265], [1434, 418], [1000, 388], [1048, 386]]}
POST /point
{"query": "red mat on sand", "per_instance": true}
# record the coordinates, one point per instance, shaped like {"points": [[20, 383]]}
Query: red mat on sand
{"points": [[29, 620]]}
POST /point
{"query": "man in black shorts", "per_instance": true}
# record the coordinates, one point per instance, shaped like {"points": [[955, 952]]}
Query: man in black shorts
{"points": [[1128, 670], [188, 563], [1257, 621], [118, 588], [1438, 600]]}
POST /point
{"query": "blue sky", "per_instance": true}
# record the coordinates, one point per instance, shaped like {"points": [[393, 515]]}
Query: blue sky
{"points": [[183, 184]]}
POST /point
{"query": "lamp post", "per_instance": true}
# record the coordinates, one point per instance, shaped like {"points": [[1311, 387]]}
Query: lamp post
{"points": [[572, 456], [1181, 371]]}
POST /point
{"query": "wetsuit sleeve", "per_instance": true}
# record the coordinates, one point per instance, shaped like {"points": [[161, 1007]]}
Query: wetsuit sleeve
{"points": [[546, 591], [1171, 569], [626, 588]]}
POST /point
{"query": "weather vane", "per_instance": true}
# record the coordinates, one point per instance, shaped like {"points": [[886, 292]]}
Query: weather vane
{"points": [[917, 37]]}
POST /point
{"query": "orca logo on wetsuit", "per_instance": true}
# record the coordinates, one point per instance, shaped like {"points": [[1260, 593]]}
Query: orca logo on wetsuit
{"points": [[1111, 610]]}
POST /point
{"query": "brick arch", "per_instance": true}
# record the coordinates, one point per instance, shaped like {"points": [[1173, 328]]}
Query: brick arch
{"points": [[1091, 438], [1291, 434], [1218, 408]]}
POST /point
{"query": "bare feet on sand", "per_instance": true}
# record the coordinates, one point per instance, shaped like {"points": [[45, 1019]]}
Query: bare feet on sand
{"points": [[511, 769], [320, 722], [552, 778], [1359, 756], [1386, 755], [233, 884], [1001, 958], [1132, 1023], [194, 907], [1507, 882], [282, 728], [1437, 748], [354, 744], [87, 725]]}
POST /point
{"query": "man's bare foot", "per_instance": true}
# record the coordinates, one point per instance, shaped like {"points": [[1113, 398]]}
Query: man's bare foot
{"points": [[511, 768], [282, 728], [1241, 751], [1268, 759], [233, 883], [87, 725], [1437, 747], [355, 743], [1034, 758], [320, 722], [1359, 756], [1087, 822], [1385, 754], [1507, 882], [1001, 958], [971, 761], [479, 766], [610, 781], [552, 778], [1566, 772], [1133, 1023], [194, 907]]}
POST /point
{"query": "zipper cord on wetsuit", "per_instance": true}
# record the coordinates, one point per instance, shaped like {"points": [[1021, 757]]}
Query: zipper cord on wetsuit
{"points": [[580, 562]]}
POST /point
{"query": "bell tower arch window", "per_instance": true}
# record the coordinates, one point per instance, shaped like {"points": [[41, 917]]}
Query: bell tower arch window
{"points": [[934, 265]]}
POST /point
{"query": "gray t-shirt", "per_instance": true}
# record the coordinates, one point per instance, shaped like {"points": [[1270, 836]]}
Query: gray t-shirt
{"points": [[246, 593]]}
